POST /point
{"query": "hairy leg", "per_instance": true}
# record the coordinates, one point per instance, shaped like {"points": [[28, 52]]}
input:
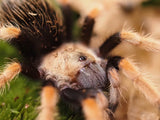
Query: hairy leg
{"points": [[94, 104], [68, 20], [49, 99], [143, 42], [93, 109], [9, 32], [131, 71], [146, 86], [88, 26], [9, 73]]}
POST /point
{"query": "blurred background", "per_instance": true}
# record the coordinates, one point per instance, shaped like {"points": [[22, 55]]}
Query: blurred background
{"points": [[20, 99]]}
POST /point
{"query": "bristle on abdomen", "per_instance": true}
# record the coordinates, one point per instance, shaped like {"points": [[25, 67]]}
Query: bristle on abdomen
{"points": [[41, 30]]}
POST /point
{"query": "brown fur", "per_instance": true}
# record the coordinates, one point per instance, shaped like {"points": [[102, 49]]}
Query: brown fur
{"points": [[129, 70]]}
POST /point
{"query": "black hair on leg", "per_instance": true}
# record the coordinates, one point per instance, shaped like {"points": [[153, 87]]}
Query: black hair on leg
{"points": [[76, 96], [68, 21], [87, 30], [110, 44], [113, 62]]}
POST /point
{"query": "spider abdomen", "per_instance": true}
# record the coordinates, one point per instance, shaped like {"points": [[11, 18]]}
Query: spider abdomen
{"points": [[38, 23]]}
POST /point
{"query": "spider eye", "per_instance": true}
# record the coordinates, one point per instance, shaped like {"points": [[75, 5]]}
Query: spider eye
{"points": [[82, 58]]}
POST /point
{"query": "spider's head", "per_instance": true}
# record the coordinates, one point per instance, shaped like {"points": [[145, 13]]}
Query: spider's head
{"points": [[74, 65]]}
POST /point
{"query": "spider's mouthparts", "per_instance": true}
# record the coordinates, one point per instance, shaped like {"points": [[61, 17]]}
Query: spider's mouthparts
{"points": [[92, 76]]}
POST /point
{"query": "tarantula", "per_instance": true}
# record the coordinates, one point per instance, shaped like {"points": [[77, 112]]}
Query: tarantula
{"points": [[83, 77]]}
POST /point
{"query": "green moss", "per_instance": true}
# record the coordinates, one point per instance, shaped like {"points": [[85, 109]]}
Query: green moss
{"points": [[21, 99]]}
